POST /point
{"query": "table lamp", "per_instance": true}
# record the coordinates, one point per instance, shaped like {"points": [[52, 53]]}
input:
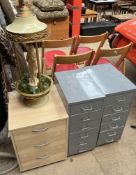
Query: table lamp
{"points": [[27, 29]]}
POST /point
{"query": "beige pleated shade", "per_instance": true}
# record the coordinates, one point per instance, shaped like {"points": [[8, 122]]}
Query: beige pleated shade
{"points": [[26, 23]]}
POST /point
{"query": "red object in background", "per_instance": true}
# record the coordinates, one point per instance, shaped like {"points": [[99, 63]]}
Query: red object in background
{"points": [[127, 31], [74, 7]]}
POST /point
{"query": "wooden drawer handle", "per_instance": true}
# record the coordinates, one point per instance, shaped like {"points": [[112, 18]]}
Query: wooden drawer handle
{"points": [[40, 130], [41, 145], [42, 157]]}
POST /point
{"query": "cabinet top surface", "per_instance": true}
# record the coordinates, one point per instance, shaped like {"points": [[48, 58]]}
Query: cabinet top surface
{"points": [[93, 82], [77, 86], [21, 116]]}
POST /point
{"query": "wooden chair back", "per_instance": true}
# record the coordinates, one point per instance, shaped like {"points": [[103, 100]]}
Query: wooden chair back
{"points": [[109, 54], [73, 59], [90, 40], [65, 43]]}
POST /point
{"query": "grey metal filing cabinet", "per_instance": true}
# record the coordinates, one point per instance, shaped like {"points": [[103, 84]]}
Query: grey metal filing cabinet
{"points": [[97, 99], [84, 101], [119, 92]]}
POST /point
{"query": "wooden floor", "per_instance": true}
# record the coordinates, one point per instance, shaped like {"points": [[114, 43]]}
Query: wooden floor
{"points": [[118, 158]]}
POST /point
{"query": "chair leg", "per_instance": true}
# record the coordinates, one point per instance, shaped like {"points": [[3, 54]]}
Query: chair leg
{"points": [[124, 67]]}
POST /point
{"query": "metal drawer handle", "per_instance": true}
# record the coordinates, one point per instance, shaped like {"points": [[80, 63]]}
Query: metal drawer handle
{"points": [[87, 109], [121, 100], [83, 129], [41, 145], [82, 144], [118, 110], [115, 119], [114, 134], [114, 127], [108, 141], [42, 157], [40, 130], [84, 120], [85, 136], [81, 151]]}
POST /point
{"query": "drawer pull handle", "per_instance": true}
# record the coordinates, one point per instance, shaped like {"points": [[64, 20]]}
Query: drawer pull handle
{"points": [[42, 157], [114, 134], [84, 120], [121, 100], [114, 127], [82, 144], [83, 129], [81, 151], [115, 119], [118, 110], [83, 137], [87, 109], [41, 145], [109, 141], [40, 130]]}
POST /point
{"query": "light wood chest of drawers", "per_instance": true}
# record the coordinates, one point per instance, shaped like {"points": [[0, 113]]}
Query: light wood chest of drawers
{"points": [[39, 135]]}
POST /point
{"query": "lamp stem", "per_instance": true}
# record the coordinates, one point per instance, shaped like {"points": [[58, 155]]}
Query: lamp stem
{"points": [[21, 3]]}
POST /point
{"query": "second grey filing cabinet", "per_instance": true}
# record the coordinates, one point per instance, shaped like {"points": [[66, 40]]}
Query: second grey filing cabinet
{"points": [[84, 101], [119, 92]]}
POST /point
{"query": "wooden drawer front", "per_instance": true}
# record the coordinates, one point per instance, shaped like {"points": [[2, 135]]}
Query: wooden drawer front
{"points": [[86, 107], [82, 134], [85, 126], [51, 129], [85, 117], [118, 99], [116, 108], [105, 138], [115, 117], [112, 125], [83, 144], [42, 142], [32, 157]]}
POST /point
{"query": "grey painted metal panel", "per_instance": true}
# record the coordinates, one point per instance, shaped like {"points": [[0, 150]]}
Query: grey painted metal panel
{"points": [[78, 87], [82, 126], [119, 99], [112, 125], [109, 79], [85, 117], [107, 137], [115, 117], [115, 109]]}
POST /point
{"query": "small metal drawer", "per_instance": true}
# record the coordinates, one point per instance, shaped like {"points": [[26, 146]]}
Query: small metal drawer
{"points": [[116, 108], [85, 126], [86, 107], [86, 134], [106, 137], [77, 149], [119, 99], [85, 117], [83, 144], [112, 125], [115, 117]]}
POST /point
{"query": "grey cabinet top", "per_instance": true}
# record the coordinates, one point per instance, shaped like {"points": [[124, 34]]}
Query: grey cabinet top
{"points": [[109, 79], [92, 82], [77, 86]]}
